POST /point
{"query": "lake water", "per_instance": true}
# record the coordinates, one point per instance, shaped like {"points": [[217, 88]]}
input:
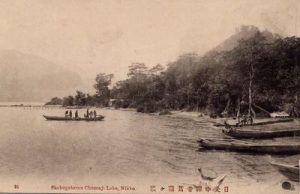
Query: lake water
{"points": [[127, 148]]}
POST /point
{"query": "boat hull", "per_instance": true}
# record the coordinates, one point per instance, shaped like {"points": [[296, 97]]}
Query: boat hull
{"points": [[56, 118], [237, 133], [239, 146], [257, 124], [289, 171]]}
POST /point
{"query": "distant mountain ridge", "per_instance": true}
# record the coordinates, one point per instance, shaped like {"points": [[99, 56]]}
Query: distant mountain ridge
{"points": [[25, 77], [244, 32]]}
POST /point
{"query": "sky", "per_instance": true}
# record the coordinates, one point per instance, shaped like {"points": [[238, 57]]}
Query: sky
{"points": [[91, 37]]}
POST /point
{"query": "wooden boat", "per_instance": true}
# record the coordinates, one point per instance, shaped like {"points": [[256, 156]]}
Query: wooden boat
{"points": [[56, 118], [289, 171], [255, 134], [255, 124], [242, 146]]}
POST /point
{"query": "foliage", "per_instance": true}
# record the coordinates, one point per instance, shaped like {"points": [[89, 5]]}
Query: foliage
{"points": [[217, 82], [55, 101], [101, 98], [80, 98], [102, 88], [68, 101]]}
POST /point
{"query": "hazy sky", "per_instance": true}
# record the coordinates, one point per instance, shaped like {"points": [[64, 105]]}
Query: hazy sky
{"points": [[106, 36]]}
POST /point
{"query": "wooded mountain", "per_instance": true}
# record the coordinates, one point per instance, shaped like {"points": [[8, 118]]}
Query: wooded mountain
{"points": [[221, 80], [25, 77], [251, 72], [244, 32]]}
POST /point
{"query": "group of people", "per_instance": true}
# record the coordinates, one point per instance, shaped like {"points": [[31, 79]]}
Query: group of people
{"points": [[244, 119], [69, 114], [89, 114]]}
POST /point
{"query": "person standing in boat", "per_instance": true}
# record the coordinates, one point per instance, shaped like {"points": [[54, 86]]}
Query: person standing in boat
{"points": [[76, 114], [95, 114], [91, 114], [87, 113], [66, 113], [70, 113]]}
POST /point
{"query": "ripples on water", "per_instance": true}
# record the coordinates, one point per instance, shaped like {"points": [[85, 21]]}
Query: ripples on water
{"points": [[125, 144]]}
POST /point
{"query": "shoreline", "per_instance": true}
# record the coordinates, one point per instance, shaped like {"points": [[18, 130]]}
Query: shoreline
{"points": [[191, 115]]}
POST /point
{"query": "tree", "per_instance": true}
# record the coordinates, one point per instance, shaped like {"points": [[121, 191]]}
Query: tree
{"points": [[245, 61], [90, 100], [102, 84], [156, 70], [80, 99], [136, 82], [137, 69], [68, 101], [262, 70], [55, 101]]}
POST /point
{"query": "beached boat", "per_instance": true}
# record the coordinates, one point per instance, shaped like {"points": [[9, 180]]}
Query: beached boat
{"points": [[289, 171], [255, 124], [243, 146], [56, 118], [255, 134]]}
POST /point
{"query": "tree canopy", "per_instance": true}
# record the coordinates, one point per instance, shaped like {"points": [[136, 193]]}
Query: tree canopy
{"points": [[263, 70]]}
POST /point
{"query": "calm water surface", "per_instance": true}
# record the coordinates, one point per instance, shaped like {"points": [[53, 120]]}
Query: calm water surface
{"points": [[126, 146]]}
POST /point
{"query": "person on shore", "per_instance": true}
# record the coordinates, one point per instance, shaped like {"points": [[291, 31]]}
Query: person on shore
{"points": [[244, 119], [95, 114], [228, 128], [66, 113], [238, 124], [70, 113], [76, 114], [250, 119], [238, 118]]}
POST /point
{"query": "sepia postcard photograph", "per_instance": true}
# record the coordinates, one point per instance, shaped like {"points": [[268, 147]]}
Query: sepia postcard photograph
{"points": [[150, 96]]}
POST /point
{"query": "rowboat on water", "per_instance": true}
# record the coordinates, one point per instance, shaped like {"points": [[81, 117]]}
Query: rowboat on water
{"points": [[256, 124], [242, 146], [289, 171], [255, 134], [56, 118]]}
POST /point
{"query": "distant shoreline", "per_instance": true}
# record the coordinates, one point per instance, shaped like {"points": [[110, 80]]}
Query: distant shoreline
{"points": [[193, 115], [21, 103]]}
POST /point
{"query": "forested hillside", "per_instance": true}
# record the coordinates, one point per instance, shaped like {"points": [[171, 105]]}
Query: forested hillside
{"points": [[218, 82]]}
